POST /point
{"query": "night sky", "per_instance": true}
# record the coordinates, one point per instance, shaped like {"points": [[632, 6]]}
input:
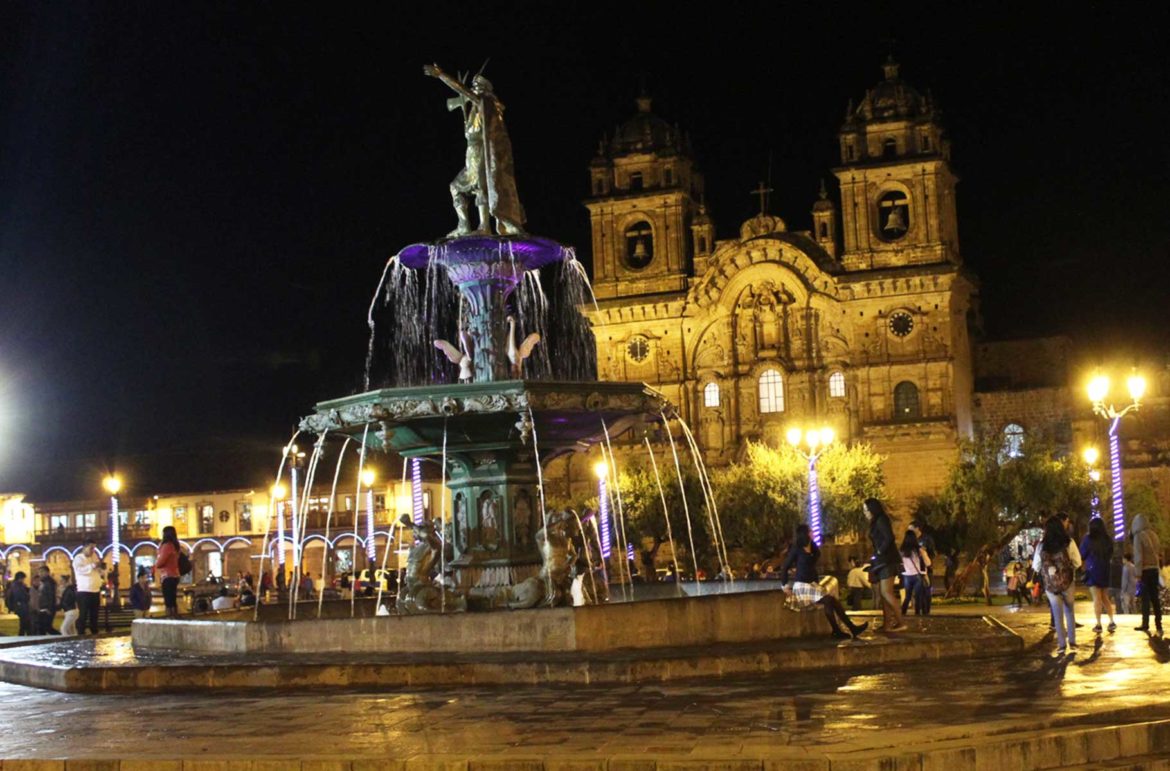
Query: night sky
{"points": [[197, 200]]}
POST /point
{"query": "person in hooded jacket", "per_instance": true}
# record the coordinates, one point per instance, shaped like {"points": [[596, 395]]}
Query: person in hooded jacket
{"points": [[1147, 559]]}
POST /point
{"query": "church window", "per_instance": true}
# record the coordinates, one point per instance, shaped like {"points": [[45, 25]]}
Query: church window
{"points": [[849, 154], [1013, 442], [890, 148], [837, 385], [639, 245], [636, 180], [824, 230], [926, 143], [711, 395], [667, 177], [906, 406], [771, 391], [638, 349], [598, 186], [893, 215]]}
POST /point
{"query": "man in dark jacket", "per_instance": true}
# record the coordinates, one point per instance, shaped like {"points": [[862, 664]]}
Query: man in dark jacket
{"points": [[16, 598], [47, 607]]}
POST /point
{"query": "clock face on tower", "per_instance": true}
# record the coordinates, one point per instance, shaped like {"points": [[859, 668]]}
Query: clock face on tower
{"points": [[901, 324]]}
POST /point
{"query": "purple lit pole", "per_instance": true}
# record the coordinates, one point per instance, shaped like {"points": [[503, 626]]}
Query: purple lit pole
{"points": [[814, 500], [280, 532], [603, 518], [370, 551], [1115, 482], [416, 491], [1098, 393]]}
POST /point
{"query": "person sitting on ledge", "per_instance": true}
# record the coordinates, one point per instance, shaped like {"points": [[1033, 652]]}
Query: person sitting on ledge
{"points": [[805, 592], [223, 601]]}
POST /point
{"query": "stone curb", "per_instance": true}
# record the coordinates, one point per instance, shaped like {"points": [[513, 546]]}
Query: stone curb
{"points": [[1144, 745], [669, 666]]}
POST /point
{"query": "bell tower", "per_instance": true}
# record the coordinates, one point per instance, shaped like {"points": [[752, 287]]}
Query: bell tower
{"points": [[643, 209], [897, 185]]}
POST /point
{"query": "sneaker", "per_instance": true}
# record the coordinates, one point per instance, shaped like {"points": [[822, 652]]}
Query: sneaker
{"points": [[1112, 627], [1060, 651], [1072, 646], [1097, 629]]}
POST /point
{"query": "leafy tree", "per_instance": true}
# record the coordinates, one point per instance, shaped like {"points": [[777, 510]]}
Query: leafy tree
{"points": [[990, 497], [1142, 498], [761, 499], [643, 510]]}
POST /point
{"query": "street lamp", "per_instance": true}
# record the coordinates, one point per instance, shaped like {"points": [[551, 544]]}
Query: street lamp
{"points": [[368, 481], [113, 484], [1090, 456], [1098, 391], [817, 441], [278, 493], [601, 469]]}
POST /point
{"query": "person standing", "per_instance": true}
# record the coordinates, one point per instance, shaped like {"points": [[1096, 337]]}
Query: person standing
{"points": [[926, 541], [1097, 550], [17, 599], [886, 563], [1128, 583], [915, 563], [141, 598], [857, 582], [166, 567], [90, 572], [47, 606], [806, 590], [69, 605], [1055, 560], [1147, 559]]}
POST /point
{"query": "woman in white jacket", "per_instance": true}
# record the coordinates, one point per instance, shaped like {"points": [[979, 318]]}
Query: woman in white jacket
{"points": [[1056, 559]]}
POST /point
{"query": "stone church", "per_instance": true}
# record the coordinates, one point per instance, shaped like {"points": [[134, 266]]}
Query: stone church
{"points": [[862, 324]]}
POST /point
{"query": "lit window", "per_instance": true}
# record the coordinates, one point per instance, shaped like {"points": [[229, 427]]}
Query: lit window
{"points": [[837, 385], [1013, 441], [636, 180], [906, 406], [771, 391], [711, 395]]}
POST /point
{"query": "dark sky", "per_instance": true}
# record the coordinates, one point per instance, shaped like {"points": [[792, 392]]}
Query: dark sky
{"points": [[196, 200]]}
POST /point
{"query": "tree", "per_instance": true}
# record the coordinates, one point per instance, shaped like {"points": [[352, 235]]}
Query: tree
{"points": [[991, 496], [642, 509], [762, 498], [1142, 498]]}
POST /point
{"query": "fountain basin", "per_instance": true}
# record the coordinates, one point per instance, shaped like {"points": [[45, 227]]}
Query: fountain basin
{"points": [[682, 622]]}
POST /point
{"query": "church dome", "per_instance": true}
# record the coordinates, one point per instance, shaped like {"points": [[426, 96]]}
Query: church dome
{"points": [[891, 98], [645, 133]]}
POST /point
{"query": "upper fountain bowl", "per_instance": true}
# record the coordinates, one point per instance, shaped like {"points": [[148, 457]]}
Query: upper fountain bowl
{"points": [[516, 253]]}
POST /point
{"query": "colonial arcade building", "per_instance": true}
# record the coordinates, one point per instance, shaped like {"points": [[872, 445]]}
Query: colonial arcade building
{"points": [[862, 323]]}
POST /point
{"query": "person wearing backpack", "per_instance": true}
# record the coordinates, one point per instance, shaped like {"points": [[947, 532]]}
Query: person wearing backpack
{"points": [[915, 576], [1147, 559], [166, 566], [1056, 558]]}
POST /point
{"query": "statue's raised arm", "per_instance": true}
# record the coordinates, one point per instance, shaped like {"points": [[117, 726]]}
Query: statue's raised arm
{"points": [[487, 174]]}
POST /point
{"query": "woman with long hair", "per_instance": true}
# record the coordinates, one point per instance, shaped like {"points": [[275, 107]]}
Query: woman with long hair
{"points": [[915, 564], [1097, 550], [1056, 558], [167, 567], [806, 591], [886, 563]]}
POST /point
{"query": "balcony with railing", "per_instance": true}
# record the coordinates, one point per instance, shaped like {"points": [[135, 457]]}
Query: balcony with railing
{"points": [[61, 535]]}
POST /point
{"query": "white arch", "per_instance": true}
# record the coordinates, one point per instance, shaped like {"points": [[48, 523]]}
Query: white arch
{"points": [[9, 550], [70, 554], [121, 547], [236, 539], [201, 541], [315, 537], [140, 544]]}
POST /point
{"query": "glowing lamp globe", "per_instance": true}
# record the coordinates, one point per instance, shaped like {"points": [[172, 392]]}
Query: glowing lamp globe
{"points": [[1136, 384], [1090, 455], [794, 436], [112, 484], [601, 469], [368, 477], [278, 492], [1098, 388]]}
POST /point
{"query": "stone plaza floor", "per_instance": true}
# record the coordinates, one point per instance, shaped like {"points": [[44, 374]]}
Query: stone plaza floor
{"points": [[822, 719]]}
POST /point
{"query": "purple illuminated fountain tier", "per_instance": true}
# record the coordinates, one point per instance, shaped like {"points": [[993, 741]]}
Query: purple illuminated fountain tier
{"points": [[487, 269]]}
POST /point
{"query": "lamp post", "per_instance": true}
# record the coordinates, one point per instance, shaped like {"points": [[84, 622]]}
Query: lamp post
{"points": [[112, 485], [817, 441], [368, 481], [1098, 391], [604, 533], [295, 456], [278, 493]]}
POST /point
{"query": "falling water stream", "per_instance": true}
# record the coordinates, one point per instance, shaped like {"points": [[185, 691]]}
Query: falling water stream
{"points": [[665, 514], [356, 497], [271, 518], [329, 513]]}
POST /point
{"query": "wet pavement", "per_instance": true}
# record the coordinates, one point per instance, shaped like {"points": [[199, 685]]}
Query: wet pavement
{"points": [[794, 715]]}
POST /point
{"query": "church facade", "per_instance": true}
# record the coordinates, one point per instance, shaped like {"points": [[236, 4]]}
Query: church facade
{"points": [[862, 324]]}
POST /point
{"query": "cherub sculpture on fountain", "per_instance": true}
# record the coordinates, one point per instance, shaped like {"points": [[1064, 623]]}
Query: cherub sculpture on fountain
{"points": [[552, 587], [421, 591]]}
